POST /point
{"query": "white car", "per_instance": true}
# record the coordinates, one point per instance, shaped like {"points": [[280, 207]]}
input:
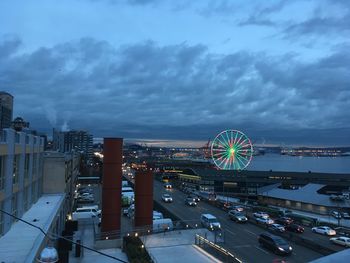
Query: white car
{"points": [[85, 213], [261, 215], [167, 198], [264, 221], [324, 230], [343, 241], [277, 227]]}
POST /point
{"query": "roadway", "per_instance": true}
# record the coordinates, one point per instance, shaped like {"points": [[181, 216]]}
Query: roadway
{"points": [[240, 239]]}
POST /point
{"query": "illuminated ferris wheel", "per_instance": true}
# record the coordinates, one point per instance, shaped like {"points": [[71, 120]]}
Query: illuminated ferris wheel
{"points": [[231, 150]]}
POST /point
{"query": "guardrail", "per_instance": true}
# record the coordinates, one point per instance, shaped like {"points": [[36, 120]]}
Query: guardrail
{"points": [[215, 250]]}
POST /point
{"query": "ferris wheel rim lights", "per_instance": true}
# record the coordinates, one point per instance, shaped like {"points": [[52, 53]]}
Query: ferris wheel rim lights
{"points": [[231, 150]]}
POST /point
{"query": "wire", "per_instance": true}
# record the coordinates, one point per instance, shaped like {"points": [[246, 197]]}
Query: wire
{"points": [[58, 236]]}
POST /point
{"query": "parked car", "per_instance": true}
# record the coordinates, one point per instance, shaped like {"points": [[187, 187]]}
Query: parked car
{"points": [[190, 201], [324, 230], [294, 228], [275, 243], [93, 207], [237, 216], [85, 195], [209, 221], [284, 220], [277, 227], [343, 241], [125, 211], [85, 213], [261, 215], [345, 215], [86, 199], [167, 198], [85, 190], [336, 214], [264, 221]]}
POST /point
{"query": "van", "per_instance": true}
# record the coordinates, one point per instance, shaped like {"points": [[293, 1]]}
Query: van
{"points": [[88, 206], [85, 213], [157, 215], [160, 225], [209, 221]]}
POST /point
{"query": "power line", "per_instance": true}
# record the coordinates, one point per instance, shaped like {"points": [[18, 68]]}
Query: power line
{"points": [[50, 235]]}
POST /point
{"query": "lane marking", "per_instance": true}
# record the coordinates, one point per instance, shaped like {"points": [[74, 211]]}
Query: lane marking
{"points": [[250, 232], [234, 234], [242, 246], [262, 250]]}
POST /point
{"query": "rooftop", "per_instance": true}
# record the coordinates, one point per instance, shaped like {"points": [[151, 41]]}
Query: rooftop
{"points": [[22, 242], [305, 194]]}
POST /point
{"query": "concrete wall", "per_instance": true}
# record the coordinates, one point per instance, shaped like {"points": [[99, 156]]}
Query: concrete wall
{"points": [[18, 196]]}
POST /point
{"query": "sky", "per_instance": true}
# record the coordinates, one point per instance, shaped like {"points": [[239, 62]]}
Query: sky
{"points": [[161, 69]]}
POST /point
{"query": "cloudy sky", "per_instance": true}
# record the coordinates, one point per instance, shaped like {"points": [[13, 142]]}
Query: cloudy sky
{"points": [[277, 70]]}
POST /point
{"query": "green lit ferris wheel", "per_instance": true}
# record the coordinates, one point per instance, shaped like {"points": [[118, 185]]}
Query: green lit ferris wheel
{"points": [[231, 150]]}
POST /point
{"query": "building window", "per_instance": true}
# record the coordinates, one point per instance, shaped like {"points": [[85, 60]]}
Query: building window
{"points": [[16, 168], [2, 172], [35, 158], [1, 220], [14, 205], [25, 199], [26, 166]]}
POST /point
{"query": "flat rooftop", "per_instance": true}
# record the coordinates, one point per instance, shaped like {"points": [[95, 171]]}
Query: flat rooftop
{"points": [[306, 194], [178, 246], [22, 242]]}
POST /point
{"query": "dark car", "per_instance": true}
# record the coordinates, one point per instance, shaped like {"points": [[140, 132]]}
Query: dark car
{"points": [[168, 186], [294, 228], [275, 243], [190, 201], [196, 198], [345, 215], [284, 221], [237, 216]]}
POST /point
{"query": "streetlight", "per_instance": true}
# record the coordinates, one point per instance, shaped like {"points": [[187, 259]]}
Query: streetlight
{"points": [[48, 255]]}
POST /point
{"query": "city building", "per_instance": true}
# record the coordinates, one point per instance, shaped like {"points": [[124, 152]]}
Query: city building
{"points": [[6, 110], [61, 171], [306, 198], [22, 196], [80, 141], [248, 182]]}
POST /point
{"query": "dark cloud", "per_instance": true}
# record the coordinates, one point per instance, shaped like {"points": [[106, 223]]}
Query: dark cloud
{"points": [[320, 26], [175, 91]]}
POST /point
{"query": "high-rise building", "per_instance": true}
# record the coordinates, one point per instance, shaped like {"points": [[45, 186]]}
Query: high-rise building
{"points": [[80, 141], [6, 110]]}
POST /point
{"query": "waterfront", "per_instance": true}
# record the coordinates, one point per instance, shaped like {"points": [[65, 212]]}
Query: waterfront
{"points": [[276, 162]]}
